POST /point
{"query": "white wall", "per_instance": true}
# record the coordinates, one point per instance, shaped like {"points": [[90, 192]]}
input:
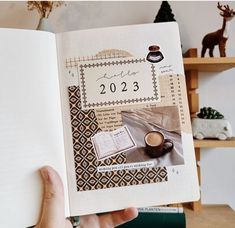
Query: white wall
{"points": [[195, 20]]}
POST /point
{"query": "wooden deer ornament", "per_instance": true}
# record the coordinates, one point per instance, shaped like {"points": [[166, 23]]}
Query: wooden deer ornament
{"points": [[219, 37]]}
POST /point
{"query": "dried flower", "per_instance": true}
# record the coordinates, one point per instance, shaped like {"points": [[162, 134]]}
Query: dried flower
{"points": [[44, 8]]}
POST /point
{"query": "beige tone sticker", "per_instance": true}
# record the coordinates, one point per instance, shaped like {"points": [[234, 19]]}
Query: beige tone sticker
{"points": [[123, 81]]}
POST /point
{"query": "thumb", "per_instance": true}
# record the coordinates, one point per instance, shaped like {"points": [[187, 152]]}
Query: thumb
{"points": [[52, 214]]}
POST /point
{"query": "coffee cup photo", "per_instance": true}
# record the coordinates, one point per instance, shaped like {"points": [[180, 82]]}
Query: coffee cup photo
{"points": [[156, 145], [157, 133]]}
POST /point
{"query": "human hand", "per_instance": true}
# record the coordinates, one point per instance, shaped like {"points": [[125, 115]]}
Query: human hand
{"points": [[52, 214]]}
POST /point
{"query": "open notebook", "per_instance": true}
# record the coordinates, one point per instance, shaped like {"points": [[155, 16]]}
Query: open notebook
{"points": [[57, 92], [107, 144]]}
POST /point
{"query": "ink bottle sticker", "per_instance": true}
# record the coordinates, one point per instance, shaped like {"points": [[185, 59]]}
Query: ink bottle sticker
{"points": [[154, 55]]}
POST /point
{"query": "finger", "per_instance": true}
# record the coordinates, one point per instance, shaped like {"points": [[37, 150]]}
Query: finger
{"points": [[53, 199], [117, 218], [90, 221]]}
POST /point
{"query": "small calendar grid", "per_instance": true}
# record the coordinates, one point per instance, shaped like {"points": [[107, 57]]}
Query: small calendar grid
{"points": [[171, 93]]}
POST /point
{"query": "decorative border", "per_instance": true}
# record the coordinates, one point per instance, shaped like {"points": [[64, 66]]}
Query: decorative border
{"points": [[84, 125], [126, 101]]}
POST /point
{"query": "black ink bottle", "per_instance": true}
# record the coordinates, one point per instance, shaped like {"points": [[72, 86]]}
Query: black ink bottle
{"points": [[154, 55]]}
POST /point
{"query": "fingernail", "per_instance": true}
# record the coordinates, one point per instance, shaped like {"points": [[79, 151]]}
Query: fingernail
{"points": [[45, 174]]}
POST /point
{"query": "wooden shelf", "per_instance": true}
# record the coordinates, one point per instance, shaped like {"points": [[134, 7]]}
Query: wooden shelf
{"points": [[193, 65], [210, 143], [209, 64]]}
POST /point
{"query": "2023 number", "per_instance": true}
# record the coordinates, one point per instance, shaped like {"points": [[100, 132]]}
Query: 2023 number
{"points": [[113, 88]]}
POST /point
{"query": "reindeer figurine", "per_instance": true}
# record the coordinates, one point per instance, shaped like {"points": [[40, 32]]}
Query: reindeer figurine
{"points": [[219, 37]]}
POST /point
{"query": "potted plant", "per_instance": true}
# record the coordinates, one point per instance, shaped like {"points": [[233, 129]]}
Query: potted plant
{"points": [[44, 8]]}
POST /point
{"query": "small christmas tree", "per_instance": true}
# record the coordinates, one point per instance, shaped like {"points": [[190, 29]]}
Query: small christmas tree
{"points": [[209, 113], [165, 13]]}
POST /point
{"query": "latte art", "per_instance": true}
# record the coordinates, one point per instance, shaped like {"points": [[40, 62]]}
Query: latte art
{"points": [[154, 139]]}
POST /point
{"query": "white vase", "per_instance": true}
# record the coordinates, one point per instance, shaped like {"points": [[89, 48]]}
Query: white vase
{"points": [[44, 25]]}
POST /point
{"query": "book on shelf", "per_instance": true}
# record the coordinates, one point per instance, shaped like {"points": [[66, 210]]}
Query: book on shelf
{"points": [[107, 108], [170, 208]]}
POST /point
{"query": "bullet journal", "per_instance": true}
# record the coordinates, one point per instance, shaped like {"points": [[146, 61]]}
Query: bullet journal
{"points": [[83, 102]]}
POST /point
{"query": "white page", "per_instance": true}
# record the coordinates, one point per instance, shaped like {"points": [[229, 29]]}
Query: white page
{"points": [[122, 138], [104, 143], [31, 133], [78, 48]]}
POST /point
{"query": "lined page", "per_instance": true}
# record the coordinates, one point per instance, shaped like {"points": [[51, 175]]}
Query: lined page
{"points": [[31, 133]]}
